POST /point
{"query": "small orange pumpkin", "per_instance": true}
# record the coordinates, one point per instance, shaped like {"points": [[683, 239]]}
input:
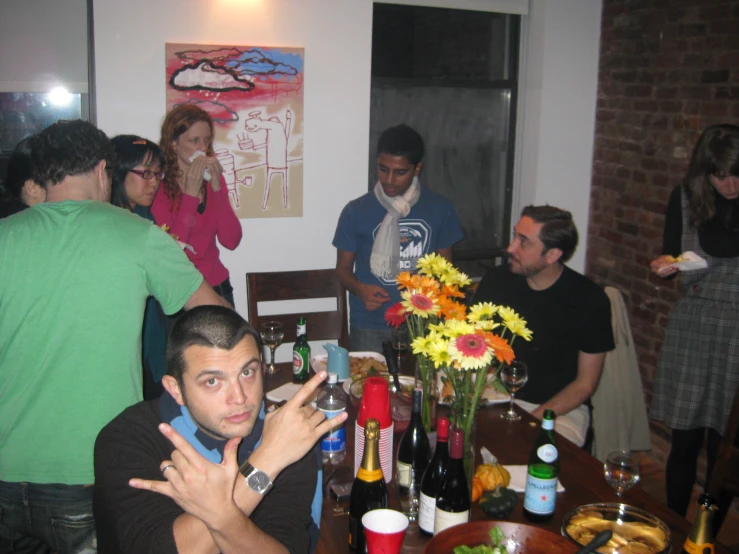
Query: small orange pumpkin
{"points": [[477, 489], [493, 475]]}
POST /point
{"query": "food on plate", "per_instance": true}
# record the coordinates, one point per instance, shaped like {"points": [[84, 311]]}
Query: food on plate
{"points": [[360, 366], [630, 537], [498, 547], [674, 260]]}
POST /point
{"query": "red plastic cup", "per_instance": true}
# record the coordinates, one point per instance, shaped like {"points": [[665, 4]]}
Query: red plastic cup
{"points": [[384, 531], [375, 402]]}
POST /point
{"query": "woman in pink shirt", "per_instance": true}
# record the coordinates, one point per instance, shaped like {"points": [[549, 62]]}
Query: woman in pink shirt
{"points": [[192, 199]]}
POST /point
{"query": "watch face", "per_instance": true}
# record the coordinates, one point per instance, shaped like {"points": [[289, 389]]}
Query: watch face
{"points": [[258, 481]]}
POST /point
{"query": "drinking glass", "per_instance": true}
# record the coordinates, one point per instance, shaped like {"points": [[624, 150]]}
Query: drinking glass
{"points": [[401, 340], [621, 470], [272, 334], [513, 376]]}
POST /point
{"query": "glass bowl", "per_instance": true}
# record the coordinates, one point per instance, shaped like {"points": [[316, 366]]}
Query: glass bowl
{"points": [[629, 524]]}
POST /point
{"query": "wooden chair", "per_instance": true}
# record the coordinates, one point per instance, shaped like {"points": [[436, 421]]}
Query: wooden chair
{"points": [[724, 480], [301, 285]]}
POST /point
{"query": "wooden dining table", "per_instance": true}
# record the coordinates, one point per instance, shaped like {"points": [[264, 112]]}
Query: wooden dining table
{"points": [[580, 473]]}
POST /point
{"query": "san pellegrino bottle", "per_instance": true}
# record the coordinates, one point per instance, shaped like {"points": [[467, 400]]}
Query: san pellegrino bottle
{"points": [[453, 500], [414, 453], [700, 540], [301, 354], [369, 491], [332, 402], [432, 477], [540, 495]]}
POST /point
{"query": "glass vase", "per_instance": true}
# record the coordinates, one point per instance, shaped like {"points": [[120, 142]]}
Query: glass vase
{"points": [[426, 380]]}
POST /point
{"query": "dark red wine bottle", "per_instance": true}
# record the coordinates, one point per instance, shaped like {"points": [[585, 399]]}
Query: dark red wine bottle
{"points": [[432, 478], [369, 491], [414, 453], [453, 500]]}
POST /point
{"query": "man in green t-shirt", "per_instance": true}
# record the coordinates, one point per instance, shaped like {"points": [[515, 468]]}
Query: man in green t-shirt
{"points": [[76, 273]]}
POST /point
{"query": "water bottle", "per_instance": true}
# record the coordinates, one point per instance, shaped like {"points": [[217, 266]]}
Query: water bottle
{"points": [[332, 402]]}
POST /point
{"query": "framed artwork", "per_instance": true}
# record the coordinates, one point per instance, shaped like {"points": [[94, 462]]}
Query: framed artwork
{"points": [[255, 96]]}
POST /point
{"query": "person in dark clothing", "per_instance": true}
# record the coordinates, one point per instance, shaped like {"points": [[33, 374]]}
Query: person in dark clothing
{"points": [[698, 369], [19, 191], [213, 415]]}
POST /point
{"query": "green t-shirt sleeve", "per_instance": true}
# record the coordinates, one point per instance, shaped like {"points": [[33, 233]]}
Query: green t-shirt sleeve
{"points": [[171, 277]]}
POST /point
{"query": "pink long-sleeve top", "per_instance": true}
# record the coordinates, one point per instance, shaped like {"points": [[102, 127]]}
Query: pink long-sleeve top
{"points": [[200, 231]]}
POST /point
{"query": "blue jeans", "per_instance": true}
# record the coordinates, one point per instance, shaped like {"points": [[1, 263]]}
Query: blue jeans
{"points": [[42, 518], [368, 340]]}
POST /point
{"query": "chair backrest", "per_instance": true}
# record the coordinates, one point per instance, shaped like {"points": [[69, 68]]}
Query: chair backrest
{"points": [[301, 285]]}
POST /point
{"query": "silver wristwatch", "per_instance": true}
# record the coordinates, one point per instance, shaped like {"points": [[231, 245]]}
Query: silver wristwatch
{"points": [[256, 479]]}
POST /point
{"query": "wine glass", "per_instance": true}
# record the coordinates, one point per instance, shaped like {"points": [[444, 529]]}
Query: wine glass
{"points": [[401, 340], [513, 376], [621, 470], [272, 334]]}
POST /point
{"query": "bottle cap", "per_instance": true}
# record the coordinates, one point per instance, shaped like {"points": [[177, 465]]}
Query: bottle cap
{"points": [[442, 429], [456, 445], [417, 399], [332, 378], [375, 402]]}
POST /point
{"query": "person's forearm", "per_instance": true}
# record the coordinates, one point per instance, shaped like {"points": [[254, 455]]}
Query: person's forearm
{"points": [[183, 222], [566, 400], [228, 231], [206, 296], [348, 280]]}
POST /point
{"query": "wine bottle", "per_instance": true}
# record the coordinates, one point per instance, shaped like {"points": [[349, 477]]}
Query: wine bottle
{"points": [[414, 453], [453, 500], [700, 540], [432, 477], [369, 491], [540, 495]]}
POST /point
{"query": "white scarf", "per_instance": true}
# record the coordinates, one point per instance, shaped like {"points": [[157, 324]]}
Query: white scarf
{"points": [[385, 258]]}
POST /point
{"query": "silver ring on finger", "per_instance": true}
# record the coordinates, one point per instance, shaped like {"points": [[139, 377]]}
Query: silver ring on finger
{"points": [[165, 468]]}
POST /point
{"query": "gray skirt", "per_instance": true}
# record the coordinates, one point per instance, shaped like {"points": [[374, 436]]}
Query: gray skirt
{"points": [[698, 368]]}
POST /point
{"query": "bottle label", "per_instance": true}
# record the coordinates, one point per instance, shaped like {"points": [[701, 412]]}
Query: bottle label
{"points": [[301, 329], [692, 548], [404, 474], [300, 363], [445, 520], [547, 453], [369, 476], [547, 424], [335, 441], [426, 513], [540, 495]]}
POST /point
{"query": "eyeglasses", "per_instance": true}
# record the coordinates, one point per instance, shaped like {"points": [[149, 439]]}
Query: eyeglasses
{"points": [[149, 174]]}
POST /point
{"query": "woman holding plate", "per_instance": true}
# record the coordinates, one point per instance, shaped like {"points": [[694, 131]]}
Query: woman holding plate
{"points": [[193, 200], [698, 368]]}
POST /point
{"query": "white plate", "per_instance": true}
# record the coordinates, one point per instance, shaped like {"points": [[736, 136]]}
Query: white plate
{"points": [[489, 396], [691, 262], [405, 381], [320, 361]]}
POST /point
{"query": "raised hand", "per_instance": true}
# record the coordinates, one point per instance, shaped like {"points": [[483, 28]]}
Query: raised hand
{"points": [[193, 178], [200, 487], [216, 170]]}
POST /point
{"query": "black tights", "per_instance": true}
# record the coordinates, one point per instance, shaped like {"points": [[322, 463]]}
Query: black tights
{"points": [[683, 461]]}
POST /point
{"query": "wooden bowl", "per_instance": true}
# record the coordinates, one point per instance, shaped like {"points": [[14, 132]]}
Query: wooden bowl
{"points": [[521, 539]]}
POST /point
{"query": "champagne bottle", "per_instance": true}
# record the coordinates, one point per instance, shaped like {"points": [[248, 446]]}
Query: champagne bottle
{"points": [[301, 354], [700, 540], [541, 481], [414, 453], [432, 478], [369, 491], [453, 500]]}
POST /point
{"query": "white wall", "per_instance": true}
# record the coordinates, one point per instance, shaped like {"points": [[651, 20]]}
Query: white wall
{"points": [[557, 117], [558, 103]]}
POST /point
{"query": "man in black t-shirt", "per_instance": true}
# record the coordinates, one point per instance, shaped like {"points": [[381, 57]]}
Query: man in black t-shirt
{"points": [[569, 315]]}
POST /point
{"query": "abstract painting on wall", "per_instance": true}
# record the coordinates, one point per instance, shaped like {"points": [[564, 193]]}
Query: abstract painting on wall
{"points": [[255, 96]]}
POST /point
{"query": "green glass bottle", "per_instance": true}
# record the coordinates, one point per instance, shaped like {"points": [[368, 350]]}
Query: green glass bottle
{"points": [[301, 354], [541, 481]]}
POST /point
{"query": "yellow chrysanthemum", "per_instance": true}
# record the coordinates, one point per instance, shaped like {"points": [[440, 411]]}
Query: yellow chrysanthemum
{"points": [[482, 310], [417, 303], [514, 322], [438, 353], [470, 351], [423, 344], [430, 264], [454, 327]]}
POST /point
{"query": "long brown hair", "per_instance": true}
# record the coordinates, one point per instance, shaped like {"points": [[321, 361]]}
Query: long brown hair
{"points": [[716, 153], [178, 121]]}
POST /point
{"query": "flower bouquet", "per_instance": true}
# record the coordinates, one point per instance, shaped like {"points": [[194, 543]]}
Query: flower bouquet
{"points": [[466, 345]]}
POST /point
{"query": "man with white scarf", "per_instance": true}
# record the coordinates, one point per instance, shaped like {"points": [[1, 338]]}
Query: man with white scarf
{"points": [[385, 231]]}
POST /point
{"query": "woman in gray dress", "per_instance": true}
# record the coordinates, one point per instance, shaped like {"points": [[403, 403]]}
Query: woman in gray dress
{"points": [[698, 368]]}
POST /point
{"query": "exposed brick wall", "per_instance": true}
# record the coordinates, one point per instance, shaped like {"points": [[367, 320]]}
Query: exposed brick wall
{"points": [[668, 69]]}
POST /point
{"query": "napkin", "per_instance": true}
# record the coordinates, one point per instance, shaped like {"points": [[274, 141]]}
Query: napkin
{"points": [[197, 154], [518, 479], [283, 393]]}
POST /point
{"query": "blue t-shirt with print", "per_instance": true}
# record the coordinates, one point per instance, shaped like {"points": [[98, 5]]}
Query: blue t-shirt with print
{"points": [[431, 225]]}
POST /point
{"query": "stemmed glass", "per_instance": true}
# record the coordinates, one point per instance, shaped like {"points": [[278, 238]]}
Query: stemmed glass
{"points": [[272, 334], [513, 376], [621, 470], [401, 341]]}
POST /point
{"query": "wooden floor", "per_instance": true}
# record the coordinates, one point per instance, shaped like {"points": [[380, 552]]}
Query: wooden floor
{"points": [[653, 482]]}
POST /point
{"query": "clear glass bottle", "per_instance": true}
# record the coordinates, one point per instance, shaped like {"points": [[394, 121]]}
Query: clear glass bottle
{"points": [[540, 495]]}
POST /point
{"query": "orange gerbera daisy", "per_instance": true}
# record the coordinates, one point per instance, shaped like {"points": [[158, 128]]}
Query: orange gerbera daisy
{"points": [[428, 284], [404, 279], [451, 291], [501, 349], [452, 310]]}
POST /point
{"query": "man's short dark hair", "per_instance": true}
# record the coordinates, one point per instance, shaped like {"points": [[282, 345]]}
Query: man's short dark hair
{"points": [[211, 326], [558, 229], [68, 148], [401, 140]]}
